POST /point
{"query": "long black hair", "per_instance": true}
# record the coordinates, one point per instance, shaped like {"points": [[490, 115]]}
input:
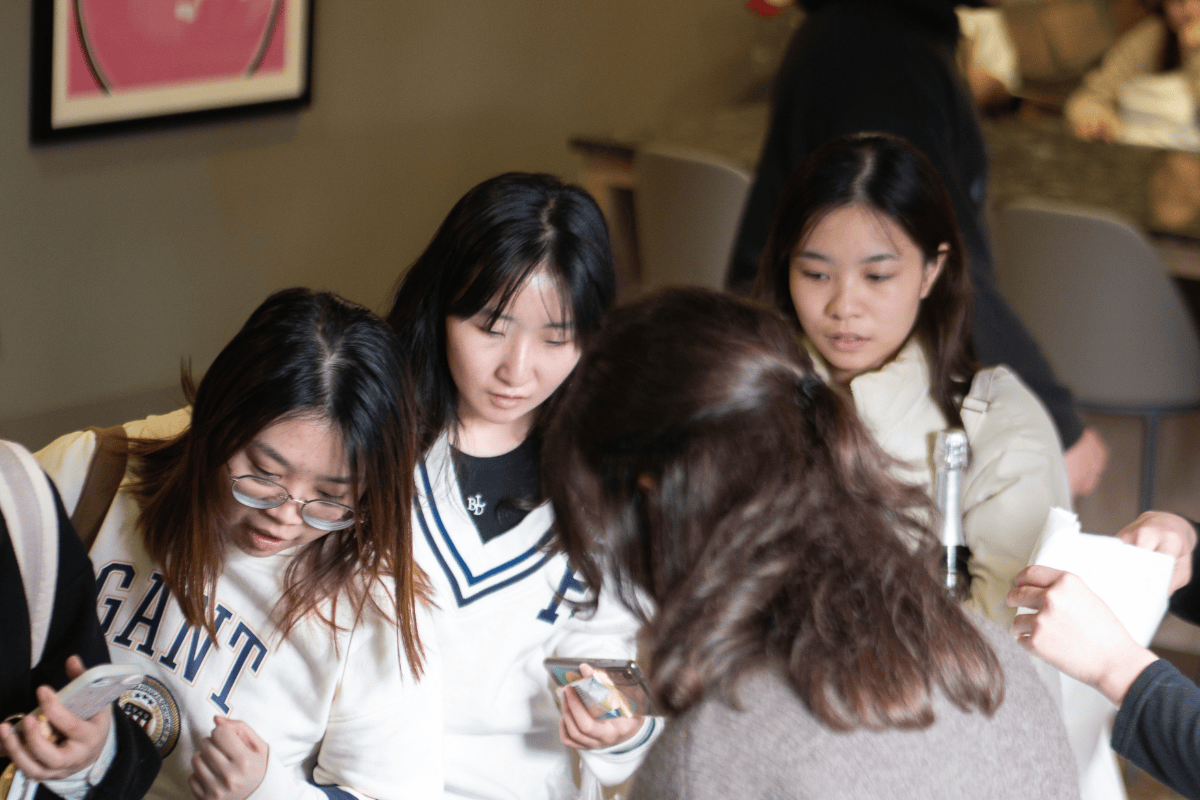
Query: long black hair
{"points": [[888, 175], [499, 234]]}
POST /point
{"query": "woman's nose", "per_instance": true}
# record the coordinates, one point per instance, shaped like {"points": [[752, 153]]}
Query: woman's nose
{"points": [[845, 302], [288, 513], [515, 366]]}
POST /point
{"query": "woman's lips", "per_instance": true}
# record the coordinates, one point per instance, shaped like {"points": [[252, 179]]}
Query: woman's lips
{"points": [[506, 401], [265, 541], [847, 342]]}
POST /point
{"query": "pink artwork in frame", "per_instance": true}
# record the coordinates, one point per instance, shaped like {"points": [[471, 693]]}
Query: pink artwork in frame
{"points": [[103, 64]]}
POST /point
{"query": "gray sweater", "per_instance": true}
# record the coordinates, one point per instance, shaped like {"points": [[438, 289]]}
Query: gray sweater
{"points": [[774, 748]]}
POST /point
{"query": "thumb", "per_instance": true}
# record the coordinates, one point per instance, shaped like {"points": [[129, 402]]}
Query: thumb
{"points": [[75, 667], [247, 735]]}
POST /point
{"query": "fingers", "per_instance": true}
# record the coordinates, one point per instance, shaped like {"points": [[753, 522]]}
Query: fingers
{"points": [[75, 667], [1022, 628], [230, 763], [576, 722], [29, 745], [61, 718], [237, 739], [1160, 531], [1038, 575], [19, 755], [1165, 533], [10, 744], [580, 730]]}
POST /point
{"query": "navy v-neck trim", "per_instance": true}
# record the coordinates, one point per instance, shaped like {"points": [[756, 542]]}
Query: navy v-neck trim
{"points": [[442, 544]]}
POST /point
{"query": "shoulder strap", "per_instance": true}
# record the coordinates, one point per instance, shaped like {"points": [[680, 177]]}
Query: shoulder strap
{"points": [[31, 515], [975, 405], [104, 477]]}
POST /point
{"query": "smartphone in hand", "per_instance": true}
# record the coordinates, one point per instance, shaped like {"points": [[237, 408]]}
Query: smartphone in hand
{"points": [[97, 687], [623, 674]]}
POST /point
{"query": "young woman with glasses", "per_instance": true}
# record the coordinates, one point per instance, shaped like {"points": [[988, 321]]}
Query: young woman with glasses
{"points": [[256, 563]]}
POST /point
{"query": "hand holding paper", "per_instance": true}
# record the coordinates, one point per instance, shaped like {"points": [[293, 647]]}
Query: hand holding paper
{"points": [[1132, 581], [1074, 631], [1165, 533], [1131, 584]]}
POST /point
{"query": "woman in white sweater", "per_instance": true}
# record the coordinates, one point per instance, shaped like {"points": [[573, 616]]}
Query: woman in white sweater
{"points": [[865, 255], [493, 316], [256, 564]]}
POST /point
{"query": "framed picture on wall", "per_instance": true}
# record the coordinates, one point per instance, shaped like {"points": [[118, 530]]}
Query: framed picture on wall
{"points": [[107, 65]]}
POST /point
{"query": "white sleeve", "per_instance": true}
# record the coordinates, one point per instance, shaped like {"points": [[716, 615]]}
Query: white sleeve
{"points": [[384, 735], [610, 633], [1016, 476], [66, 461]]}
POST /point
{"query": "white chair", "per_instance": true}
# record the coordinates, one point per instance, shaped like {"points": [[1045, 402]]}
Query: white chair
{"points": [[687, 205], [1104, 310]]}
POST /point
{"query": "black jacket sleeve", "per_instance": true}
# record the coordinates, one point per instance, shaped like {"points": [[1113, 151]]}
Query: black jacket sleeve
{"points": [[74, 630], [1158, 727]]}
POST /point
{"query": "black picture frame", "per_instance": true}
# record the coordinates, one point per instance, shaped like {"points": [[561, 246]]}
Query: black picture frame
{"points": [[68, 36]]}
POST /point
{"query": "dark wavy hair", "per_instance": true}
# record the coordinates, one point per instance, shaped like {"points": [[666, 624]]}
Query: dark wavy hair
{"points": [[698, 463], [499, 234], [890, 176], [301, 353]]}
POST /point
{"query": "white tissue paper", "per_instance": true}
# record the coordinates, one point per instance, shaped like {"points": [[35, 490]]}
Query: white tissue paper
{"points": [[1134, 583], [1159, 111]]}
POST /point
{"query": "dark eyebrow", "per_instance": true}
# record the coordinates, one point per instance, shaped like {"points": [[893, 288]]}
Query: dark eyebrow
{"points": [[880, 257], [271, 453], [814, 256], [493, 314], [562, 326]]}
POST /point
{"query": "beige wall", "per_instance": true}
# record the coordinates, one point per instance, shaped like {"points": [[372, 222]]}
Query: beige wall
{"points": [[122, 255]]}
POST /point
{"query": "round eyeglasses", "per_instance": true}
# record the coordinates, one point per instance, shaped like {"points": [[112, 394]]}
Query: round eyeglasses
{"points": [[260, 493]]}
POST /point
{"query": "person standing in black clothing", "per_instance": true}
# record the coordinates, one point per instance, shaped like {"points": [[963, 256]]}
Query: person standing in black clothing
{"points": [[888, 65], [1157, 725]]}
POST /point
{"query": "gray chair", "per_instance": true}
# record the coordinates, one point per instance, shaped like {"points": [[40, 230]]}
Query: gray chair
{"points": [[1104, 310], [687, 205]]}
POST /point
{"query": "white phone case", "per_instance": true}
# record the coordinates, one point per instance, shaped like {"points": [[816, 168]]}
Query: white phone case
{"points": [[93, 690]]}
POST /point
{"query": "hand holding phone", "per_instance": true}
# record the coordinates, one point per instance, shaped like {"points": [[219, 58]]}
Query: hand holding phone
{"points": [[53, 741], [622, 674], [580, 729]]}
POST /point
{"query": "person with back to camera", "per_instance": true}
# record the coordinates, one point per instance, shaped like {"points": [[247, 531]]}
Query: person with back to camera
{"points": [[1167, 40], [889, 65], [866, 257], [493, 315], [795, 626], [50, 634], [1157, 725], [256, 563]]}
